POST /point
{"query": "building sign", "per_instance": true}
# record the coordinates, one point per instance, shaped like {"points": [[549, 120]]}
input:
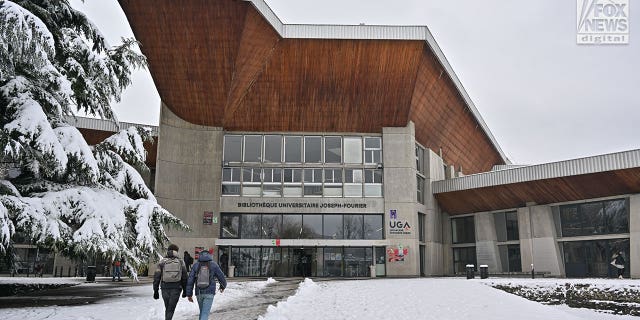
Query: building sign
{"points": [[398, 226], [207, 218], [397, 254], [602, 21], [331, 205]]}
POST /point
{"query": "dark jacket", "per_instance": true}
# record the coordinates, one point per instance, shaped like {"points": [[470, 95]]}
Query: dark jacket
{"points": [[157, 276], [620, 260], [214, 272]]}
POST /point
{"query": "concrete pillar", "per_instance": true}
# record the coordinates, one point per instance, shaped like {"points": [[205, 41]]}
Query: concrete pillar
{"points": [[526, 245], [400, 196], [486, 242], [434, 170], [188, 175], [546, 251], [634, 234]]}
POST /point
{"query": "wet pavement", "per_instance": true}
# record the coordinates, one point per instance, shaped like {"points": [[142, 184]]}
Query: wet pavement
{"points": [[255, 305]]}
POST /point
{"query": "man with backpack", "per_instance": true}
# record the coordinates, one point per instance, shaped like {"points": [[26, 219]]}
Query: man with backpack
{"points": [[171, 277], [203, 277]]}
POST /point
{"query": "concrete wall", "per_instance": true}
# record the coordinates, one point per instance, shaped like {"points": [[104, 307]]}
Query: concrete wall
{"points": [[188, 175], [434, 248], [400, 195], [634, 234]]}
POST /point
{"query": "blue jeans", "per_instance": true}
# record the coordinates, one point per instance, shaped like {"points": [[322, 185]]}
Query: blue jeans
{"points": [[205, 301], [116, 273]]}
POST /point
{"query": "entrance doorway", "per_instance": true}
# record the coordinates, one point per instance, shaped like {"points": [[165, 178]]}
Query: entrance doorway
{"points": [[301, 262]]}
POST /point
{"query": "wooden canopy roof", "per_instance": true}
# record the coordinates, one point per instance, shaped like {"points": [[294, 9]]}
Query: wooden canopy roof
{"points": [[223, 63], [570, 180]]}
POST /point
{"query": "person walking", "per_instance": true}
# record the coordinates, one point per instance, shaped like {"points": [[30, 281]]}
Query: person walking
{"points": [[171, 277], [202, 278], [618, 262], [224, 262], [117, 271], [188, 260]]}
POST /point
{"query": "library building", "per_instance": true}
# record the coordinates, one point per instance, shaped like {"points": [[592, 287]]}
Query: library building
{"points": [[355, 151]]}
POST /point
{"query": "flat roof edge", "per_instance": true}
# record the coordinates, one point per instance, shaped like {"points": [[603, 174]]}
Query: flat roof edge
{"points": [[594, 164], [106, 125], [375, 32]]}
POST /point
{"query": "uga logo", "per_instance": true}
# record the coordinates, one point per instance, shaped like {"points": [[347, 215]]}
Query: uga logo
{"points": [[399, 225]]}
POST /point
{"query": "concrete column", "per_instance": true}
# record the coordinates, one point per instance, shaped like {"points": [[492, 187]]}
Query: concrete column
{"points": [[188, 175], [526, 245], [400, 195], [434, 264], [546, 252], [634, 234], [486, 242]]}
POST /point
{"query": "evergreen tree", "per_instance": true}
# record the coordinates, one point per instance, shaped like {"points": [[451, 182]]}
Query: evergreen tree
{"points": [[64, 194]]}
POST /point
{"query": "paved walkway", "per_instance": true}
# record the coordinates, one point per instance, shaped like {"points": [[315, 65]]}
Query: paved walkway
{"points": [[251, 307]]}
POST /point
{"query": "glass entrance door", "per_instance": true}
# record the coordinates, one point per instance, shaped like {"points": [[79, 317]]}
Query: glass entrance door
{"points": [[302, 261]]}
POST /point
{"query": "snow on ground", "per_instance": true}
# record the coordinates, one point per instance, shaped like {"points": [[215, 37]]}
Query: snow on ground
{"points": [[137, 304], [432, 298], [36, 280], [426, 298]]}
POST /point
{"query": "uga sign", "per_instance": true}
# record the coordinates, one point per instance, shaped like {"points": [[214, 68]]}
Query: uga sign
{"points": [[396, 225]]}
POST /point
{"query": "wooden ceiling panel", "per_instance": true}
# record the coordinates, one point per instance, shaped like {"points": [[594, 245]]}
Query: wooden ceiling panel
{"points": [[588, 186]]}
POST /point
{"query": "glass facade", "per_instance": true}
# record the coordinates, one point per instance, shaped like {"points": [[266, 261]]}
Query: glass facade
{"points": [[463, 230], [462, 257], [304, 262], [595, 218], [593, 258], [298, 226], [260, 166]]}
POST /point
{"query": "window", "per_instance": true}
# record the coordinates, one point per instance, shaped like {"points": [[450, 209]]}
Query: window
{"points": [[313, 182], [272, 148], [373, 183], [251, 179], [332, 226], [332, 183], [372, 150], [312, 149], [231, 181], [230, 226], [292, 149], [462, 257], [250, 226], [353, 179], [291, 226], [352, 150], [292, 183], [594, 218], [420, 159], [232, 149], [421, 226], [272, 182], [311, 226], [506, 226], [373, 227], [252, 148], [420, 191], [463, 230], [512, 226], [353, 224], [333, 150], [271, 226]]}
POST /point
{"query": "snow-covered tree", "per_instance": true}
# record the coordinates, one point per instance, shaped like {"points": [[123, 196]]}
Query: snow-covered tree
{"points": [[64, 194]]}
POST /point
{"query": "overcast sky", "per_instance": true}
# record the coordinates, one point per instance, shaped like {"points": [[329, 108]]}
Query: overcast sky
{"points": [[544, 97]]}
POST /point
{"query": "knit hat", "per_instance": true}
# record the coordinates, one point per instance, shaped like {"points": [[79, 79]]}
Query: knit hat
{"points": [[173, 247]]}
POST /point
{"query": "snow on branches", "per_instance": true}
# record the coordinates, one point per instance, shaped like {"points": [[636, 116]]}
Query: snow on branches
{"points": [[67, 195]]}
